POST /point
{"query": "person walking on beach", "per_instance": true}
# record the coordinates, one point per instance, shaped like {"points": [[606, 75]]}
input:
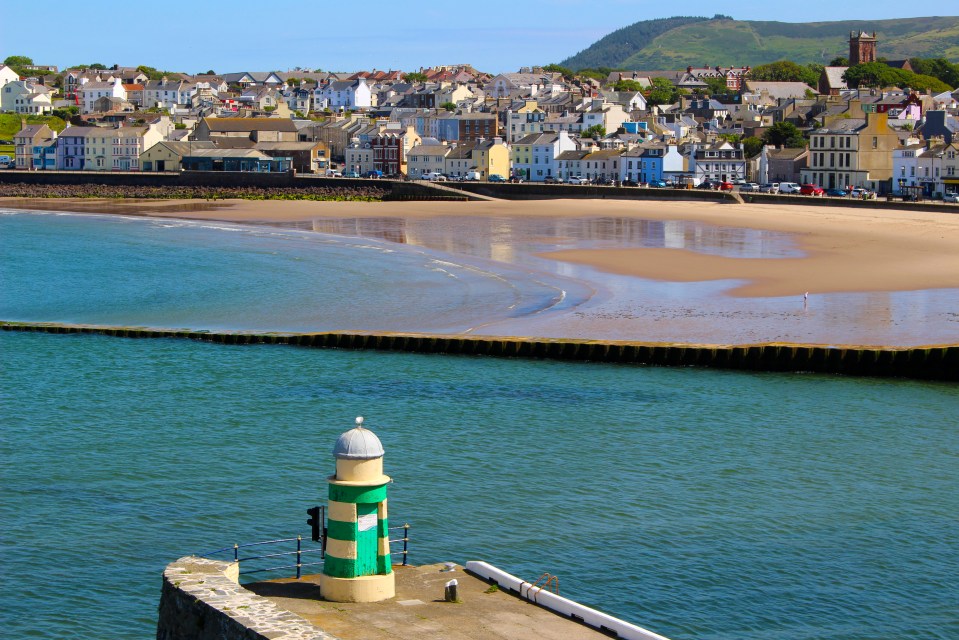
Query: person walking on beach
{"points": [[805, 299]]}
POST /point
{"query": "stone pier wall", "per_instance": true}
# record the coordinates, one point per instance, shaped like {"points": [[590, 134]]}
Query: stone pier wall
{"points": [[202, 600]]}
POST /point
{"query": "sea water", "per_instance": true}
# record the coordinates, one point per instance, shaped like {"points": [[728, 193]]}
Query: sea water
{"points": [[170, 273], [697, 503]]}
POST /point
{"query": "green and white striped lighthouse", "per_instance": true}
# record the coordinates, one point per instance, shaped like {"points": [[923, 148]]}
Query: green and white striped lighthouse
{"points": [[357, 566]]}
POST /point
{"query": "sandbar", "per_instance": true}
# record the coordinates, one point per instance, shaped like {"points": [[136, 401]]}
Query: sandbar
{"points": [[843, 249]]}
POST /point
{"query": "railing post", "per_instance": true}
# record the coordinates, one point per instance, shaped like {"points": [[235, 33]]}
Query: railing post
{"points": [[406, 540], [299, 561], [236, 552]]}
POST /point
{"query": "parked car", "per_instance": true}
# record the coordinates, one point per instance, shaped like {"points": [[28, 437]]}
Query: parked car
{"points": [[351, 174], [658, 184], [725, 186], [772, 187], [749, 186], [629, 183], [375, 173], [333, 174], [862, 194], [789, 187], [810, 189], [738, 181], [434, 176], [950, 197], [517, 179], [836, 193], [602, 180], [707, 184], [495, 177], [552, 180], [578, 180]]}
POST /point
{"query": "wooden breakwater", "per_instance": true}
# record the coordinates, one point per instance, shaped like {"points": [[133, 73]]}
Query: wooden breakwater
{"points": [[929, 363]]}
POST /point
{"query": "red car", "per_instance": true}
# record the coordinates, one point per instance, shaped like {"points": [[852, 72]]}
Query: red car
{"points": [[811, 190], [725, 186]]}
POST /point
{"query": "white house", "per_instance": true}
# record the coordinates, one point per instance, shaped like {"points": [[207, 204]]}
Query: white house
{"points": [[343, 94], [534, 156], [167, 94], [7, 75], [90, 92], [427, 157], [23, 96]]}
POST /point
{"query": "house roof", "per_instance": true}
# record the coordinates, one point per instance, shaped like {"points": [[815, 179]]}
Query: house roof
{"points": [[216, 152], [780, 90], [31, 130], [250, 124]]}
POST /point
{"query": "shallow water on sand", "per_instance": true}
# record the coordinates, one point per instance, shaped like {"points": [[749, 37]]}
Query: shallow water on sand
{"points": [[440, 274]]}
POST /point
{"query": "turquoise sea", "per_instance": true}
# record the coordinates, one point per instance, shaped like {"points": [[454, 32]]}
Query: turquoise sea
{"points": [[696, 503]]}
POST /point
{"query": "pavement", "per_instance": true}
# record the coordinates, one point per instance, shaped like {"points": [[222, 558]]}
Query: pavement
{"points": [[420, 612]]}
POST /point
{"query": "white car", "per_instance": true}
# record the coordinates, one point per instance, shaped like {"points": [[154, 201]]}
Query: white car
{"points": [[950, 197], [578, 180], [749, 186], [789, 187], [769, 188]]}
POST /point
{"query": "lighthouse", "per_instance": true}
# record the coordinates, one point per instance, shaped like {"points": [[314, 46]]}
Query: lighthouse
{"points": [[357, 566]]}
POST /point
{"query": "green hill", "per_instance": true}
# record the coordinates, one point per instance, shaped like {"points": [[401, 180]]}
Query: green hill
{"points": [[674, 43]]}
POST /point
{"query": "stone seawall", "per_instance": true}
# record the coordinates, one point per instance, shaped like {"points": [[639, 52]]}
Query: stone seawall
{"points": [[929, 363], [202, 600]]}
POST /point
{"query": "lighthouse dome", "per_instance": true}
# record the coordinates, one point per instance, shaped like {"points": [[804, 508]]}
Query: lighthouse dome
{"points": [[358, 444]]}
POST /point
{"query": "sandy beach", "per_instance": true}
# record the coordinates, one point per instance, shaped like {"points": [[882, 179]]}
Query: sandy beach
{"points": [[834, 251], [846, 250]]}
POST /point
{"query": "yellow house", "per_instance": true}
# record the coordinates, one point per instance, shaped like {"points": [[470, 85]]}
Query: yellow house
{"points": [[852, 152], [491, 158]]}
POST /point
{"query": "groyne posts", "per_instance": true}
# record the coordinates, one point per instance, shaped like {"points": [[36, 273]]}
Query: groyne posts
{"points": [[931, 363]]}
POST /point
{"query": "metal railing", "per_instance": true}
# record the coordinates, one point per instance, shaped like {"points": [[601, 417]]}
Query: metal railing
{"points": [[299, 552]]}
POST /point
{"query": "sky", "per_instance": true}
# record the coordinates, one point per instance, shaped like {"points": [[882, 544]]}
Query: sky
{"points": [[244, 35]]}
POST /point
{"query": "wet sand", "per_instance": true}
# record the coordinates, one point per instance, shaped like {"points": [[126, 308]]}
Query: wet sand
{"points": [[837, 251]]}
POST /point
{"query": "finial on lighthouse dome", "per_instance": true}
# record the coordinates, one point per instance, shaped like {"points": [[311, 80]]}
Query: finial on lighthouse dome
{"points": [[358, 444]]}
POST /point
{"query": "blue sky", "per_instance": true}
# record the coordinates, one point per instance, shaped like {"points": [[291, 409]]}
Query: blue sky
{"points": [[245, 35]]}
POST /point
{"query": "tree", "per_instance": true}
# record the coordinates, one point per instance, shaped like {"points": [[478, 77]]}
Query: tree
{"points": [[627, 85], [752, 146], [18, 61], [414, 77], [595, 131], [784, 71], [841, 61], [938, 68], [555, 68], [662, 91], [784, 134], [449, 106], [210, 72]]}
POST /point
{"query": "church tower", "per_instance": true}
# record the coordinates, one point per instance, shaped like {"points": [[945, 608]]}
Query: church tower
{"points": [[862, 47]]}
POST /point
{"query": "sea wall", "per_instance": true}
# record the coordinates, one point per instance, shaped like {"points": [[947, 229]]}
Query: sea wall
{"points": [[202, 600], [929, 363], [44, 181]]}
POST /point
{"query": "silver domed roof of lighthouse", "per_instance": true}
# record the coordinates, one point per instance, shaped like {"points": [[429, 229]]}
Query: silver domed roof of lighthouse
{"points": [[358, 444]]}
